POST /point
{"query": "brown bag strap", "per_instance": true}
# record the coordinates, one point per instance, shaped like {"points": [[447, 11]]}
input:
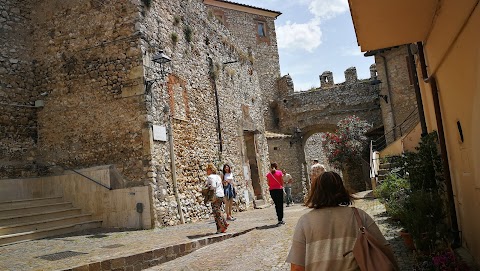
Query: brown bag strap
{"points": [[275, 179], [359, 220]]}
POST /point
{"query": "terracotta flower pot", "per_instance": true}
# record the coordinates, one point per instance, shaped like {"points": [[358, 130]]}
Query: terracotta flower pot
{"points": [[408, 240]]}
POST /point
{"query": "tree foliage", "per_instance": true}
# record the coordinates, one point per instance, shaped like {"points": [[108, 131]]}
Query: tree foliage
{"points": [[347, 143]]}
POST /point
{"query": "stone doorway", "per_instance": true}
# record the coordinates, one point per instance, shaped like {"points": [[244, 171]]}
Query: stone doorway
{"points": [[250, 145]]}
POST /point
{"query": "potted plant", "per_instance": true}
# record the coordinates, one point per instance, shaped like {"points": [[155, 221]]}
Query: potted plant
{"points": [[443, 259]]}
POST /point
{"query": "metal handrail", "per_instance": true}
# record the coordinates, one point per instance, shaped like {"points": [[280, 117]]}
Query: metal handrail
{"points": [[405, 127], [89, 178]]}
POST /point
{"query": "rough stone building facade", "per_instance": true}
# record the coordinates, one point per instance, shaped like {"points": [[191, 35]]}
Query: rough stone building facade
{"points": [[398, 101], [106, 102], [256, 29], [79, 88], [18, 124]]}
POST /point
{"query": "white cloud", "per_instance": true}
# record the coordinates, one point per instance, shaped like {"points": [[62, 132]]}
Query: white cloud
{"points": [[327, 9], [306, 36]]}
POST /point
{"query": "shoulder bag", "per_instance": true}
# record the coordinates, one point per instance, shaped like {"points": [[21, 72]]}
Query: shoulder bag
{"points": [[209, 193], [369, 253], [283, 188]]}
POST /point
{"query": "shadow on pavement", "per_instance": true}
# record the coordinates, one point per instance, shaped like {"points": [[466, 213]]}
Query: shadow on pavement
{"points": [[266, 227], [91, 233], [197, 236]]}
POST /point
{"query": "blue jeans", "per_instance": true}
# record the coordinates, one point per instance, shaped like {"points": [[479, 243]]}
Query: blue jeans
{"points": [[288, 190]]}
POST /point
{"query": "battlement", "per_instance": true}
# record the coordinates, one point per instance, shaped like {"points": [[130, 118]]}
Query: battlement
{"points": [[351, 77]]}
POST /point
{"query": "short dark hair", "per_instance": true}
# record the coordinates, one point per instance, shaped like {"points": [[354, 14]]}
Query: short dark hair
{"points": [[328, 191]]}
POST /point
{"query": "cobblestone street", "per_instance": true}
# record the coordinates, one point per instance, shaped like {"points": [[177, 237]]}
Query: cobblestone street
{"points": [[267, 247], [253, 242]]}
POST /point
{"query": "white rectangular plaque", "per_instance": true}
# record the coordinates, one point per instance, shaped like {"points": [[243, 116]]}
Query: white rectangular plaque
{"points": [[159, 133]]}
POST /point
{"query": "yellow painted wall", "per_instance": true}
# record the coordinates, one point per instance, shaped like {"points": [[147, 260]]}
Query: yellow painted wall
{"points": [[407, 142], [458, 71]]}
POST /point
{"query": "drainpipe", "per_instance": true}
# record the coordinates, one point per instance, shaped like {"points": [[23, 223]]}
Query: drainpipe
{"points": [[421, 56], [173, 167], [219, 128], [446, 167], [389, 91], [418, 95]]}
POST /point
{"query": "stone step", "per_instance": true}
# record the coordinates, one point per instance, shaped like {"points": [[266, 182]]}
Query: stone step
{"points": [[383, 171], [48, 232], [385, 166], [381, 178], [17, 219], [44, 224], [41, 208], [29, 202]]}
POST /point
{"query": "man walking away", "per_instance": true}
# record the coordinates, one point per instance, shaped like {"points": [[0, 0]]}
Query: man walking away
{"points": [[288, 180]]}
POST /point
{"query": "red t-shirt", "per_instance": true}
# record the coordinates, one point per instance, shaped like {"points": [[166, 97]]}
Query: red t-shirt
{"points": [[277, 182]]}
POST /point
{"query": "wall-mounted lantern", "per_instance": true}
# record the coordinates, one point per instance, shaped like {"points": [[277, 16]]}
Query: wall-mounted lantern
{"points": [[160, 58], [377, 85]]}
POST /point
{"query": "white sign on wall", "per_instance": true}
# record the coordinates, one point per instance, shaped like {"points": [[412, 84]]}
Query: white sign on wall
{"points": [[159, 133], [246, 172]]}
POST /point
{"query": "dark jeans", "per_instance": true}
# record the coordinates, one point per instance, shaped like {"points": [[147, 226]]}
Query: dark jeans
{"points": [[288, 190], [277, 196]]}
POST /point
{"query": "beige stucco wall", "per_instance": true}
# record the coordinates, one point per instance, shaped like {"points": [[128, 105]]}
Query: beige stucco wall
{"points": [[116, 208], [407, 142], [457, 71]]}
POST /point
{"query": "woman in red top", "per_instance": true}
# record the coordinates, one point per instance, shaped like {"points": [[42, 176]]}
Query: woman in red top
{"points": [[275, 185]]}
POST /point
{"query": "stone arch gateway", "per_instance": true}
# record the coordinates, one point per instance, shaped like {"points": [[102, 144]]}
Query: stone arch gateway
{"points": [[299, 115]]}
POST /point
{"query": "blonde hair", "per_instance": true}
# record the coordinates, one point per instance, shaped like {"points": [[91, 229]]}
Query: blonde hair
{"points": [[211, 167]]}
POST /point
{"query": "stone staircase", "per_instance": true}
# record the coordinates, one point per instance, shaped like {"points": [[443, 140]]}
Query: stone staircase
{"points": [[383, 171], [28, 219], [386, 166]]}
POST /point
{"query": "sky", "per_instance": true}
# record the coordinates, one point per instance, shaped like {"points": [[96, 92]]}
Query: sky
{"points": [[315, 36]]}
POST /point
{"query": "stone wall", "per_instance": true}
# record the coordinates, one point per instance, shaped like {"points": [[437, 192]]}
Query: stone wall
{"points": [[399, 91], [288, 153], [89, 64], [83, 61], [313, 150], [306, 115], [264, 51], [18, 123], [319, 110], [187, 99]]}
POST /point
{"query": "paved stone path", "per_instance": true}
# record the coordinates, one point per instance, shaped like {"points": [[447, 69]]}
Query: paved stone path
{"points": [[267, 248], [252, 243]]}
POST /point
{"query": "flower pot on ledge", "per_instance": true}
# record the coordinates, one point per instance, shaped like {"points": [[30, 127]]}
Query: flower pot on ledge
{"points": [[408, 240]]}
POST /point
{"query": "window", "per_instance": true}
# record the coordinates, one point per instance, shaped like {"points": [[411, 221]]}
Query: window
{"points": [[261, 29], [220, 16]]}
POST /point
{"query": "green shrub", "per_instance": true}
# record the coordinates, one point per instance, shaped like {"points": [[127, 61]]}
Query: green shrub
{"points": [[394, 192], [176, 20], [423, 218], [174, 38], [147, 3], [188, 31]]}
